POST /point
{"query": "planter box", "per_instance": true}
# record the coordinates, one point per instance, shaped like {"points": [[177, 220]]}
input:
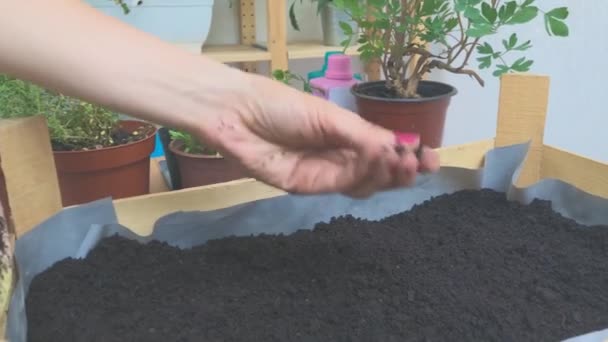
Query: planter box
{"points": [[515, 161], [175, 21]]}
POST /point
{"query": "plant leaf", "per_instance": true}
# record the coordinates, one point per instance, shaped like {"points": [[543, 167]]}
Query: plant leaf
{"points": [[500, 70], [489, 12], [522, 65], [346, 28], [485, 49], [479, 31], [509, 9], [558, 13], [474, 15], [292, 17], [557, 27], [486, 62], [524, 15], [523, 46]]}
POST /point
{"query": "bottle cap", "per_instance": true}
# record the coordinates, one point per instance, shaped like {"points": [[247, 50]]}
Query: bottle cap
{"points": [[339, 67]]}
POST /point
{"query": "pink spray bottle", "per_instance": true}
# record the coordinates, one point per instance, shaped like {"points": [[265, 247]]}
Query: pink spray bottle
{"points": [[335, 86]]}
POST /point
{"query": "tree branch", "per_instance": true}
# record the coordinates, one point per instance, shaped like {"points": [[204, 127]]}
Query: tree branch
{"points": [[469, 53], [413, 50], [443, 66]]}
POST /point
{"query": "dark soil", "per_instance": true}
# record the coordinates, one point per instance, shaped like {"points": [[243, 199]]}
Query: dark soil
{"points": [[120, 136], [381, 90], [463, 267]]}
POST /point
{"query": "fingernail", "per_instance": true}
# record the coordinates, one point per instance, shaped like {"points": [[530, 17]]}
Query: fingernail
{"points": [[406, 138]]}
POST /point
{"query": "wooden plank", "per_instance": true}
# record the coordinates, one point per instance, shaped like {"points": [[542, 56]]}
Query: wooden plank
{"points": [[27, 162], [522, 110], [276, 11], [140, 213], [467, 156], [584, 173]]}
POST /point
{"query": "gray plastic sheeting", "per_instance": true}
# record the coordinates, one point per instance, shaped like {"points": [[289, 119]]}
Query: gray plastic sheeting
{"points": [[75, 231]]}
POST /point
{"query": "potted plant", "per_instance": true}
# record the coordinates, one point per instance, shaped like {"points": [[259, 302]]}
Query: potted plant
{"points": [[333, 35], [96, 154], [173, 21], [411, 38], [199, 165]]}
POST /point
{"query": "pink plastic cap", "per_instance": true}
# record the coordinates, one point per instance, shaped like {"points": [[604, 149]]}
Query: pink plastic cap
{"points": [[407, 138], [339, 67]]}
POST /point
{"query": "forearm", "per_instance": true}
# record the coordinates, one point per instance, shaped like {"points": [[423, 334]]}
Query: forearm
{"points": [[69, 47]]}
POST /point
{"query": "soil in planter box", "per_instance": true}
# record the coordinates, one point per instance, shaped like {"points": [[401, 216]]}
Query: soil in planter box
{"points": [[463, 267]]}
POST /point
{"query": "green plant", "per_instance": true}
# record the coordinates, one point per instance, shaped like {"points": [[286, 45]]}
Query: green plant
{"points": [[191, 144], [403, 29], [79, 125], [19, 98], [287, 77], [73, 124]]}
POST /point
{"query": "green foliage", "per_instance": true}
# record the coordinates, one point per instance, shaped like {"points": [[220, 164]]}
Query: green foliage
{"points": [[191, 144], [287, 77], [456, 28], [73, 124], [19, 98]]}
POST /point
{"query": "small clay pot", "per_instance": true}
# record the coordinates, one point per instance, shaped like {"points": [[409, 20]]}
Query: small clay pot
{"points": [[117, 172], [424, 116], [198, 169]]}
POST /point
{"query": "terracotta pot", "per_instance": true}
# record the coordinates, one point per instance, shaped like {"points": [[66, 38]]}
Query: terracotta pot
{"points": [[198, 170], [424, 115], [117, 172]]}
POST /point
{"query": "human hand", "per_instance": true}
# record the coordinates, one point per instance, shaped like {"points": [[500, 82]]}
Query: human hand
{"points": [[304, 144]]}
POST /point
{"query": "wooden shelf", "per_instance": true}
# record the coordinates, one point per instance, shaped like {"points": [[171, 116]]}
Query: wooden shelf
{"points": [[236, 53], [252, 49], [230, 53], [303, 50]]}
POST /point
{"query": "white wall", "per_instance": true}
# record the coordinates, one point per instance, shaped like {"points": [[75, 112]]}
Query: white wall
{"points": [[577, 119]]}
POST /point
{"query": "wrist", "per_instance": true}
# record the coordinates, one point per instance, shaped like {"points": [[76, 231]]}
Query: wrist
{"points": [[213, 99]]}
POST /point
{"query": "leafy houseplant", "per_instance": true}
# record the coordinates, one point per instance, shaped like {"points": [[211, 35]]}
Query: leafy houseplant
{"points": [[199, 165], [411, 38], [96, 154]]}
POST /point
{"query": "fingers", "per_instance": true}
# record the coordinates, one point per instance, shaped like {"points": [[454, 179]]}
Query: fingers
{"points": [[397, 168], [428, 160]]}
